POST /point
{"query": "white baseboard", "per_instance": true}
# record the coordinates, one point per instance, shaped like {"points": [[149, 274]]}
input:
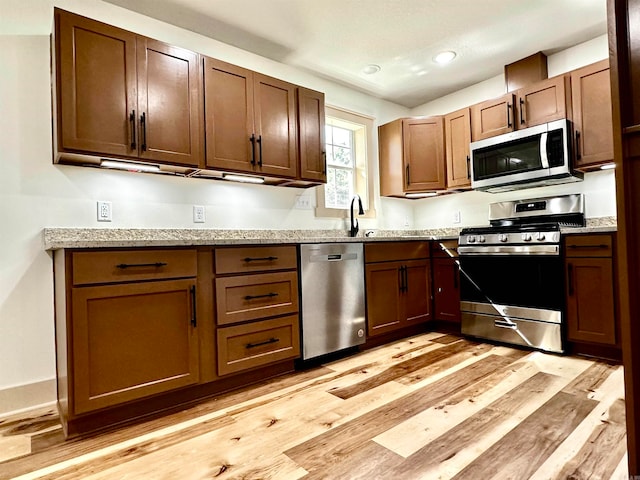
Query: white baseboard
{"points": [[26, 397]]}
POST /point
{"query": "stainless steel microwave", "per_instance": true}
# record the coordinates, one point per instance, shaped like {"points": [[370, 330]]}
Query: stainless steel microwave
{"points": [[530, 157]]}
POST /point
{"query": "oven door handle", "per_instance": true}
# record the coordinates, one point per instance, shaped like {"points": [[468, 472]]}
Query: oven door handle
{"points": [[509, 250], [544, 158], [505, 324]]}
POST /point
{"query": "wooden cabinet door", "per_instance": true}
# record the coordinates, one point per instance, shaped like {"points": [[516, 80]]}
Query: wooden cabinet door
{"points": [[131, 341], [313, 157], [168, 103], [493, 117], [383, 297], [97, 87], [423, 151], [275, 124], [229, 115], [457, 131], [590, 308], [416, 298], [542, 102], [592, 117], [446, 289]]}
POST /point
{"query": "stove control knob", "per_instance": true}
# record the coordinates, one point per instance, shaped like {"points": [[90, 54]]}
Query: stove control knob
{"points": [[526, 237], [471, 239], [481, 239], [503, 237], [540, 236]]}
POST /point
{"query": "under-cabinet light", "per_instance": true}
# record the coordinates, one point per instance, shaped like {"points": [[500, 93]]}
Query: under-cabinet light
{"points": [[608, 166], [242, 178], [421, 195], [130, 167]]}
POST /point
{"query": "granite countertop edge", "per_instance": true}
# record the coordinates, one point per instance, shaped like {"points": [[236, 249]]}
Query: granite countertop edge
{"points": [[58, 238]]}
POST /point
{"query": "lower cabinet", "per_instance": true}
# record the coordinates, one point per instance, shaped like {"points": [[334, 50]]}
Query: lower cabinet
{"points": [[398, 285], [591, 315], [446, 282]]}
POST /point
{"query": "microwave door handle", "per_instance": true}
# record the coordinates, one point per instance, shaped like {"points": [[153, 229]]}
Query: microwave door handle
{"points": [[543, 151]]}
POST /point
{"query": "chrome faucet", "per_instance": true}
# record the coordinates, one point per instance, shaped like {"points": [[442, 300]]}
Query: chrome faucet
{"points": [[354, 221]]}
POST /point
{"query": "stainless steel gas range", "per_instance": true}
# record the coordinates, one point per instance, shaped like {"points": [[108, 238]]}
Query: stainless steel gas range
{"points": [[512, 275]]}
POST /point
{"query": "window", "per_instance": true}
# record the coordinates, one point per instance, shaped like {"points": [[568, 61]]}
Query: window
{"points": [[348, 140]]}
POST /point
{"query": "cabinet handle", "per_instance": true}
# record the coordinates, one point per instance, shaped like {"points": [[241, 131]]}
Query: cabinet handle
{"points": [[406, 279], [260, 150], [259, 259], [143, 127], [140, 265], [523, 120], [132, 122], [401, 279], [259, 344], [324, 163], [468, 167], [570, 278], [408, 181], [253, 148], [509, 115], [578, 155], [194, 322], [601, 245], [267, 295]]}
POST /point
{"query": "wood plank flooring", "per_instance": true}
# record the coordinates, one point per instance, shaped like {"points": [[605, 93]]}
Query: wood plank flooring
{"points": [[432, 406]]}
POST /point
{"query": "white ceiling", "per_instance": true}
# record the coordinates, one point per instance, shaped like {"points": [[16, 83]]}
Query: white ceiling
{"points": [[336, 39]]}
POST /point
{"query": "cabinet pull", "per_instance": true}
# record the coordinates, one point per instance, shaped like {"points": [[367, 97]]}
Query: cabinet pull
{"points": [[407, 176], [141, 265], [259, 344], [570, 278], [509, 115], [406, 279], [194, 322], [143, 134], [324, 163], [578, 155], [260, 150], [468, 167], [401, 279], [523, 120], [266, 295], [259, 259], [253, 148], [601, 245], [132, 122]]}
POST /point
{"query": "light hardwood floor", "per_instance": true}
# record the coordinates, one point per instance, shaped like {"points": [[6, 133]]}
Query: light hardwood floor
{"points": [[432, 406]]}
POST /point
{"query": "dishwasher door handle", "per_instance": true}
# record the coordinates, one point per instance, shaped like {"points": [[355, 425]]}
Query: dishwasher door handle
{"points": [[333, 257]]}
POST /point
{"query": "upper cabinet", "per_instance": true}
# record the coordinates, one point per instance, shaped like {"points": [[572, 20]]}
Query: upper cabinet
{"points": [[250, 121], [539, 103], [125, 95], [313, 155], [592, 116], [457, 132], [411, 156]]}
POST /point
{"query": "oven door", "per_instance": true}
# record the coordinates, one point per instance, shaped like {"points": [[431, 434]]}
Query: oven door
{"points": [[513, 298]]}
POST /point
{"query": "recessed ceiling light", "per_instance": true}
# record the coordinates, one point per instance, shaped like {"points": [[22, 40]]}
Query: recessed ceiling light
{"points": [[371, 69], [444, 57]]}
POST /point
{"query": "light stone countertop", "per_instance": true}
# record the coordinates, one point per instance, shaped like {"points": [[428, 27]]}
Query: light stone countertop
{"points": [[57, 238]]}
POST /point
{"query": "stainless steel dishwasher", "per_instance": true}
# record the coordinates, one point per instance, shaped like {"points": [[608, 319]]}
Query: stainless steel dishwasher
{"points": [[333, 305]]}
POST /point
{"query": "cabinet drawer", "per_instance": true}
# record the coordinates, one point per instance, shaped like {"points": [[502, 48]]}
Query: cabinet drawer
{"points": [[588, 245], [251, 345], [111, 266], [250, 297], [255, 259], [444, 248], [394, 251]]}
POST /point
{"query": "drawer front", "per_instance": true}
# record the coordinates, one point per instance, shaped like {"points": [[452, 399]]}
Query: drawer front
{"points": [[444, 248], [255, 259], [394, 251], [250, 297], [113, 266], [255, 344], [588, 245]]}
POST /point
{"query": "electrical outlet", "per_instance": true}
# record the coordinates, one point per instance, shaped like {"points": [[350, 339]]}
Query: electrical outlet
{"points": [[406, 221], [104, 211], [456, 216], [198, 214], [303, 202]]}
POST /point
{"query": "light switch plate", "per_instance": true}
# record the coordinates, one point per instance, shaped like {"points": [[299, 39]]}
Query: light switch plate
{"points": [[104, 211], [198, 214]]}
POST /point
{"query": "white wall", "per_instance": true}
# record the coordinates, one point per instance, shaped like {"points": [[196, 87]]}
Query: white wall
{"points": [[35, 194], [598, 187]]}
